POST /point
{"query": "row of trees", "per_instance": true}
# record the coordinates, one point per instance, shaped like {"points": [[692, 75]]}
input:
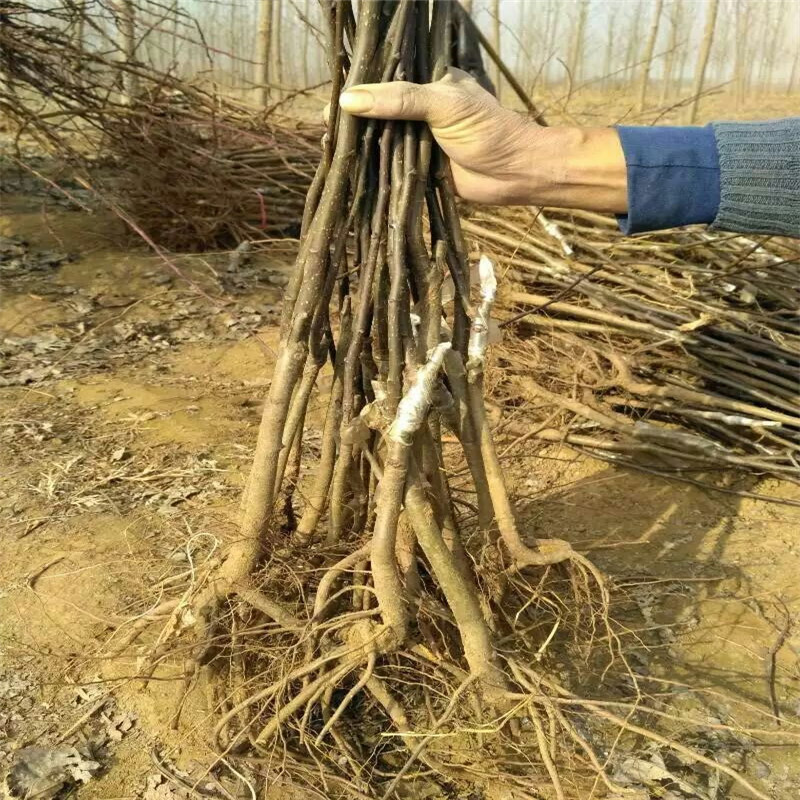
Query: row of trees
{"points": [[659, 50]]}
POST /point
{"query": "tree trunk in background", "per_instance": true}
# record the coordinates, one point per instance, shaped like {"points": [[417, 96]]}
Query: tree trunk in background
{"points": [[720, 68], [742, 12], [793, 73], [277, 40], [496, 43], [608, 59], [682, 67], [78, 9], [576, 49], [766, 37], [263, 47], [632, 48], [648, 54], [675, 14], [236, 45], [80, 22], [527, 34], [702, 61], [790, 28], [127, 44], [550, 37], [306, 40], [176, 14], [772, 48], [753, 54]]}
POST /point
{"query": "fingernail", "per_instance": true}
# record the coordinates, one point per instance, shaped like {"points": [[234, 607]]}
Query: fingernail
{"points": [[356, 101]]}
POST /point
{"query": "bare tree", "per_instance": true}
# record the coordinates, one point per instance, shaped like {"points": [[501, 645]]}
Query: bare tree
{"points": [[771, 46], [263, 48], [611, 38], [551, 29], [633, 38], [78, 8], [675, 17], [527, 32], [720, 62], [702, 60], [755, 37], [306, 40], [277, 40], [576, 48], [767, 37], [176, 16], [126, 28], [648, 54], [496, 42], [793, 73], [742, 14]]}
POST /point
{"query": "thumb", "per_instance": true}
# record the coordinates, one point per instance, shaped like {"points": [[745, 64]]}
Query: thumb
{"points": [[394, 100]]}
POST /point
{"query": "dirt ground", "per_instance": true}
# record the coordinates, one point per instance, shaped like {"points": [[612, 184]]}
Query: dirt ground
{"points": [[129, 396]]}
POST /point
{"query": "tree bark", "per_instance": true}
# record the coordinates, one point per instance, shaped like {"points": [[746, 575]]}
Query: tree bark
{"points": [[263, 47], [127, 45], [176, 13], [550, 31], [702, 61], [766, 43], [80, 22], [576, 49], [277, 40], [671, 57], [771, 46], [742, 11], [648, 55], [632, 49], [609, 54], [793, 73], [306, 41]]}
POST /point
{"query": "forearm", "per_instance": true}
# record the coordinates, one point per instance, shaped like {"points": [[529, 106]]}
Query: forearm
{"points": [[742, 177], [577, 168], [651, 177]]}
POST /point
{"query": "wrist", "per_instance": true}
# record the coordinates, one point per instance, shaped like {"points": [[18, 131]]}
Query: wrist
{"points": [[571, 167]]}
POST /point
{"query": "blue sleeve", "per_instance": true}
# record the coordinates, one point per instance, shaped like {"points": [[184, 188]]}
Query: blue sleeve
{"points": [[673, 177]]}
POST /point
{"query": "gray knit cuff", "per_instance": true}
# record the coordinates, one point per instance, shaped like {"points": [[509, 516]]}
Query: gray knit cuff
{"points": [[759, 176]]}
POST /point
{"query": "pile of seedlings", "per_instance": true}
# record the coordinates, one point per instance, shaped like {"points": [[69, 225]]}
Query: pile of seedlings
{"points": [[377, 631], [195, 173], [183, 166], [675, 351]]}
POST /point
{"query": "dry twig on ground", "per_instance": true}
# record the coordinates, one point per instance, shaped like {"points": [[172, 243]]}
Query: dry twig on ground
{"points": [[677, 350]]}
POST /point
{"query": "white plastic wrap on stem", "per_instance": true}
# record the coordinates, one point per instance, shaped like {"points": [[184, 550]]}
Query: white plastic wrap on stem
{"points": [[554, 231], [479, 332], [417, 400]]}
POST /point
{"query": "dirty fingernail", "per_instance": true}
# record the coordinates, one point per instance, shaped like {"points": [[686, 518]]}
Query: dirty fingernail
{"points": [[356, 101]]}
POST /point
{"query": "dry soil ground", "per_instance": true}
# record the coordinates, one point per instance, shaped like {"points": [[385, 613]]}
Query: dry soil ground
{"points": [[129, 396]]}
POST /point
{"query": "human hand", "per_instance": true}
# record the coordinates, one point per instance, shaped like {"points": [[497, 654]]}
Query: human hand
{"points": [[486, 143], [498, 156]]}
